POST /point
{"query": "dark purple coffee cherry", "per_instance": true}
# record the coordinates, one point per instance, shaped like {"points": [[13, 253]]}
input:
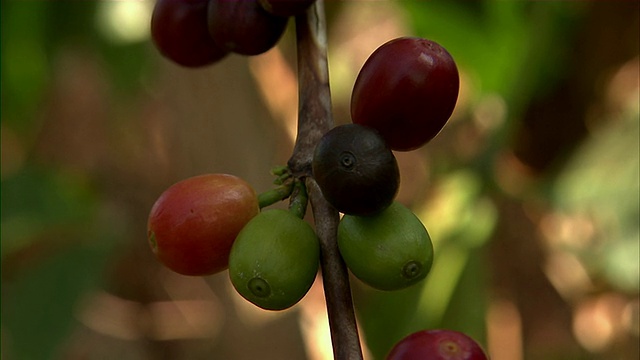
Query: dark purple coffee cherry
{"points": [[243, 26], [356, 171], [286, 7], [179, 31]]}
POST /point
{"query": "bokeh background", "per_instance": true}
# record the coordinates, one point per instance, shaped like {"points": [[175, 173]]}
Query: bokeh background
{"points": [[530, 193]]}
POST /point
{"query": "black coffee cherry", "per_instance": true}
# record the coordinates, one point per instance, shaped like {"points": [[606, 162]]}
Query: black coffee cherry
{"points": [[356, 171]]}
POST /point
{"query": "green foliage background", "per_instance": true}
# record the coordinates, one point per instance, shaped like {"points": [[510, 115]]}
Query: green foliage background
{"points": [[64, 224]]}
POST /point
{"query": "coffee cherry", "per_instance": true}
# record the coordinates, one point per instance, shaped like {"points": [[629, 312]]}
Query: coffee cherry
{"points": [[244, 27], [437, 345], [179, 31], [407, 90], [286, 7], [355, 170], [193, 223], [388, 251], [274, 260]]}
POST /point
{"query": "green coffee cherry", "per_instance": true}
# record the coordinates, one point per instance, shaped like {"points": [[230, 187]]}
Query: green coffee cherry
{"points": [[274, 260], [388, 251]]}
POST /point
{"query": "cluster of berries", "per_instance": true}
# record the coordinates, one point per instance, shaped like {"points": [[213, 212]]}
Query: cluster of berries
{"points": [[403, 96]]}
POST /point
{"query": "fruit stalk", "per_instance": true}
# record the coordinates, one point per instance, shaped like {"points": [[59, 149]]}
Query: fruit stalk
{"points": [[314, 96], [314, 120], [335, 279]]}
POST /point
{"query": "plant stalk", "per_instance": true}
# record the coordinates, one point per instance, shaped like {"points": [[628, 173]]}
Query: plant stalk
{"points": [[314, 120]]}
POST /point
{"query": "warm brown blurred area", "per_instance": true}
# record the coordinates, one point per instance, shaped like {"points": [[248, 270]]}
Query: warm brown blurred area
{"points": [[530, 193]]}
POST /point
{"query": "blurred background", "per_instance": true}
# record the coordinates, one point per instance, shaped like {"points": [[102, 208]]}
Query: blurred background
{"points": [[530, 193]]}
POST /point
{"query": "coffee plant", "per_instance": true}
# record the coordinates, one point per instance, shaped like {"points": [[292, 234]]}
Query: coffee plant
{"points": [[403, 96]]}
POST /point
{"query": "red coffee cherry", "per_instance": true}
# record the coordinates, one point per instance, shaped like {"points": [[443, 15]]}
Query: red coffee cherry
{"points": [[194, 223], [407, 90], [437, 345]]}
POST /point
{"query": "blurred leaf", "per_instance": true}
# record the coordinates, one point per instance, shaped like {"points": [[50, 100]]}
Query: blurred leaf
{"points": [[448, 266], [54, 239], [490, 43], [383, 315], [602, 182], [450, 202], [35, 201], [512, 48], [603, 175], [25, 68], [467, 309], [459, 211], [38, 306], [620, 263], [53, 250], [33, 35], [453, 296]]}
